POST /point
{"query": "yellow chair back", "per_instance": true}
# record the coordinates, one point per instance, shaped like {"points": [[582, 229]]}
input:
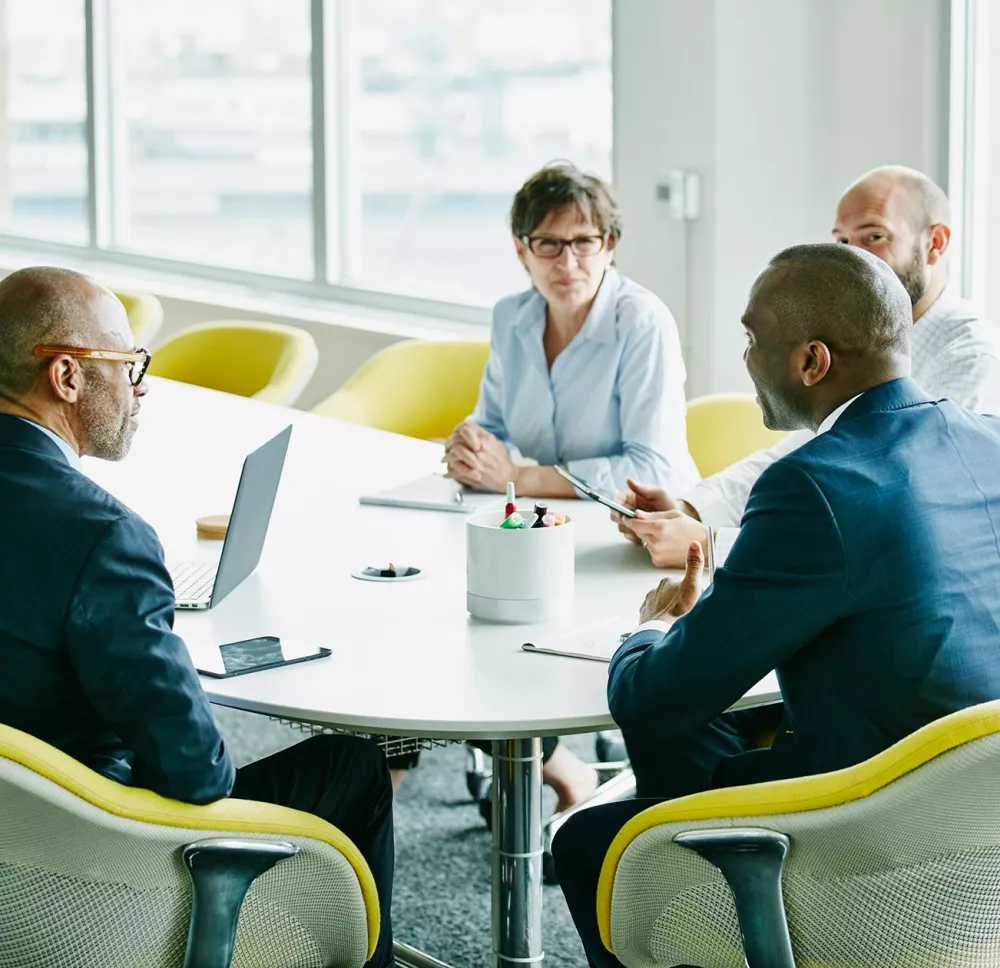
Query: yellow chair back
{"points": [[419, 388], [723, 428], [266, 361], [90, 866], [913, 829], [145, 315]]}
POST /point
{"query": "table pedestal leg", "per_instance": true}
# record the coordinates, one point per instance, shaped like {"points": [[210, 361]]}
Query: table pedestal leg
{"points": [[517, 852]]}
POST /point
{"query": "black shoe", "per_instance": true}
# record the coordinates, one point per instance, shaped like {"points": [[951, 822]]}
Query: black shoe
{"points": [[610, 747], [486, 811]]}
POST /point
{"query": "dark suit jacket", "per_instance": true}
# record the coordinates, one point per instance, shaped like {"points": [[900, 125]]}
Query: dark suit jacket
{"points": [[866, 572], [88, 658]]}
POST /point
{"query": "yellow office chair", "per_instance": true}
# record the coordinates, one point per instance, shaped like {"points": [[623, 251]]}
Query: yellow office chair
{"points": [[94, 873], [723, 428], [893, 862], [266, 361], [420, 388], [145, 315]]}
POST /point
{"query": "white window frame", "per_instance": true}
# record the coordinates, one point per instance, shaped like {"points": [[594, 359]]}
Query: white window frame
{"points": [[336, 202], [969, 143]]}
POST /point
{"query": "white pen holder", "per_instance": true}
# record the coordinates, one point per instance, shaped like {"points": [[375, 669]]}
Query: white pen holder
{"points": [[520, 575]]}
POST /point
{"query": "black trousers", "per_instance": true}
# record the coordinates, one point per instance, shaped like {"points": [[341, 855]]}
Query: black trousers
{"points": [[721, 754], [343, 780]]}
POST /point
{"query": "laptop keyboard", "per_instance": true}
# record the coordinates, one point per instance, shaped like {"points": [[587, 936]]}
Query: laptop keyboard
{"points": [[193, 580]]}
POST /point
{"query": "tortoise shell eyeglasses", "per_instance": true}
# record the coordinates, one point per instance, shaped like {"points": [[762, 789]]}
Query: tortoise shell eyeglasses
{"points": [[138, 360]]}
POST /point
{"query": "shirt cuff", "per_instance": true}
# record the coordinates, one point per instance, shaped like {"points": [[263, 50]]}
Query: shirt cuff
{"points": [[713, 509], [658, 624], [725, 538]]}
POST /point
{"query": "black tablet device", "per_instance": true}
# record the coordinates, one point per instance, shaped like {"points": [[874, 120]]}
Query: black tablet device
{"points": [[582, 485]]}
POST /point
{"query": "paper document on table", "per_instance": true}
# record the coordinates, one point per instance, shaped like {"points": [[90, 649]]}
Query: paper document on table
{"points": [[597, 643], [435, 493]]}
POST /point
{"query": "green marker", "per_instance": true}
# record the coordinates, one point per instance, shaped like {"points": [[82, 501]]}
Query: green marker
{"points": [[513, 522]]}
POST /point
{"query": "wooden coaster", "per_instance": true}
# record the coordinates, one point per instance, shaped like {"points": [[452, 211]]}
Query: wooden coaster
{"points": [[213, 526]]}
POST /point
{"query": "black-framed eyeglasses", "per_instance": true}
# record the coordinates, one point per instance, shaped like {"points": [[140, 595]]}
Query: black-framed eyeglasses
{"points": [[138, 360], [582, 246]]}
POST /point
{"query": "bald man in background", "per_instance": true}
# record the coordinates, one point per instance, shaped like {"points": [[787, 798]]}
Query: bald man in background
{"points": [[89, 661], [902, 217]]}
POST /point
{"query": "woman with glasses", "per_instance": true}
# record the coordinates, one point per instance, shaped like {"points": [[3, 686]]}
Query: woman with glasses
{"points": [[585, 371], [585, 368]]}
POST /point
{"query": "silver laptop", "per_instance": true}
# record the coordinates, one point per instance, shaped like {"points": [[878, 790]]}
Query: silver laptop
{"points": [[201, 584]]}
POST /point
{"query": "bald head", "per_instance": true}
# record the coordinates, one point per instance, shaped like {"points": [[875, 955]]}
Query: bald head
{"points": [[903, 217], [847, 298], [824, 321], [921, 201], [45, 304]]}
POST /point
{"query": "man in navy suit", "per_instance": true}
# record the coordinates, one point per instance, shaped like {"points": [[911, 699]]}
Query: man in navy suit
{"points": [[866, 572], [89, 661]]}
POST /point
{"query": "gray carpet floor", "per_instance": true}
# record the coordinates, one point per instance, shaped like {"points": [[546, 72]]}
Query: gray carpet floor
{"points": [[441, 902]]}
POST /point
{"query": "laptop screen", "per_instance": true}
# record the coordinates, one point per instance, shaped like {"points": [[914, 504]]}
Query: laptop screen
{"points": [[251, 514]]}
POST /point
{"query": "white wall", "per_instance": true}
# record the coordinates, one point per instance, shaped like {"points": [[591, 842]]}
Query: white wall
{"points": [[986, 188], [778, 104]]}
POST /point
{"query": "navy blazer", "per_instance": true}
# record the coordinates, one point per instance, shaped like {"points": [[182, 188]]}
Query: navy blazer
{"points": [[866, 572], [89, 661]]}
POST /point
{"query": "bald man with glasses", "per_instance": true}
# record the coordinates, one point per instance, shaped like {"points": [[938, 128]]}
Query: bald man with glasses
{"points": [[89, 661]]}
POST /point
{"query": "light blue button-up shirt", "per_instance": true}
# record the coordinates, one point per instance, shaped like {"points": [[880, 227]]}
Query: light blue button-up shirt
{"points": [[71, 455], [611, 407]]}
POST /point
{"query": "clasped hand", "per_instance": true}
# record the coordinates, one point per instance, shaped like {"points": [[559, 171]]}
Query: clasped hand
{"points": [[478, 459]]}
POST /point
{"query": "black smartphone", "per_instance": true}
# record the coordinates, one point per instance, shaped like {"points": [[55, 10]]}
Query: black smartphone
{"points": [[252, 655]]}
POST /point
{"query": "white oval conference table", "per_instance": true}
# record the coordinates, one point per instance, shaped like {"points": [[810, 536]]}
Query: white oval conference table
{"points": [[407, 658]]}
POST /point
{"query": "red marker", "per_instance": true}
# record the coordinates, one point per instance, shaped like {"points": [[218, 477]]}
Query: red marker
{"points": [[511, 506]]}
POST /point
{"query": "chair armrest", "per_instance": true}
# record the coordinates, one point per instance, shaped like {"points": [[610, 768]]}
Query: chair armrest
{"points": [[751, 860], [221, 873]]}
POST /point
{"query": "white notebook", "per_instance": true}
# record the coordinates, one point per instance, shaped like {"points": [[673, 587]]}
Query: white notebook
{"points": [[435, 493], [598, 643]]}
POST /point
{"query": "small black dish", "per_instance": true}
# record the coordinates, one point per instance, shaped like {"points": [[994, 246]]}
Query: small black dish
{"points": [[390, 572]]}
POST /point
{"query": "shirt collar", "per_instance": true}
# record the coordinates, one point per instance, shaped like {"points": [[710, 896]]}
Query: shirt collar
{"points": [[832, 418], [71, 455], [942, 308], [601, 322]]}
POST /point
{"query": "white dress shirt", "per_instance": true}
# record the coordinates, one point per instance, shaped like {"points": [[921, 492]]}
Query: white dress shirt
{"points": [[611, 406], [955, 353], [71, 455]]}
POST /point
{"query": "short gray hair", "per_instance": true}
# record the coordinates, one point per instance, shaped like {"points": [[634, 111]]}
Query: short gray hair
{"points": [[845, 297], [40, 304]]}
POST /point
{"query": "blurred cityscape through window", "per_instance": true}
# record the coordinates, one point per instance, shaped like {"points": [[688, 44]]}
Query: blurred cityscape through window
{"points": [[450, 105], [43, 138], [460, 102]]}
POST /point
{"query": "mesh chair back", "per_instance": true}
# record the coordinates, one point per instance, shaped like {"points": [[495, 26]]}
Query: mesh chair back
{"points": [[908, 875], [82, 885]]}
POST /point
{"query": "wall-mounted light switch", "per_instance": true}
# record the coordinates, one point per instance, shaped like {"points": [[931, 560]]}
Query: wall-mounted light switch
{"points": [[680, 191]]}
